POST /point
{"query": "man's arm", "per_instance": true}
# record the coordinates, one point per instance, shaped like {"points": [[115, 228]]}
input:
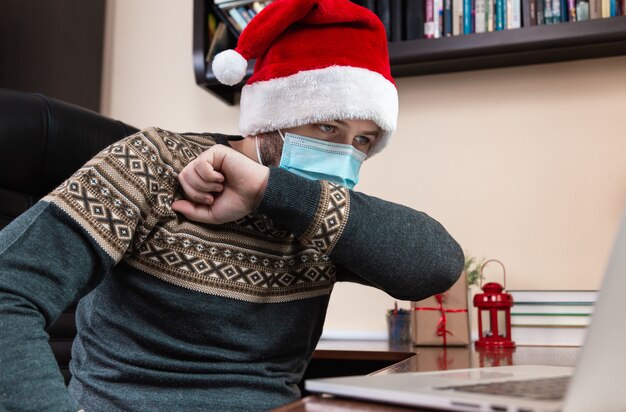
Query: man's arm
{"points": [[399, 250], [62, 247], [404, 252]]}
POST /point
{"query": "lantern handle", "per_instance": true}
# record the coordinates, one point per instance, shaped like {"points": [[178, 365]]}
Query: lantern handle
{"points": [[483, 267]]}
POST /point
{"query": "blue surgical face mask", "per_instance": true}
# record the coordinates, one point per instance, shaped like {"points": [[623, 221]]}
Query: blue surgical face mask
{"points": [[320, 160]]}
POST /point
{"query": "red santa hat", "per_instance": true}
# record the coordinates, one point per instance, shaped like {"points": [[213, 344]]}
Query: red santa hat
{"points": [[317, 60]]}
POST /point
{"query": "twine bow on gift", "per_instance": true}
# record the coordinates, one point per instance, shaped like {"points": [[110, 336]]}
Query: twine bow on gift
{"points": [[441, 325]]}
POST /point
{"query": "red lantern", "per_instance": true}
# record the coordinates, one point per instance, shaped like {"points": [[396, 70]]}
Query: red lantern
{"points": [[494, 313]]}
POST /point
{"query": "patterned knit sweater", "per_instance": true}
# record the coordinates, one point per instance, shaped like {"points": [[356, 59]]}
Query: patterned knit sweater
{"points": [[176, 315]]}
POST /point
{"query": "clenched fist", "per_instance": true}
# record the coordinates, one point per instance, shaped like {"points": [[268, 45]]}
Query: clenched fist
{"points": [[221, 185]]}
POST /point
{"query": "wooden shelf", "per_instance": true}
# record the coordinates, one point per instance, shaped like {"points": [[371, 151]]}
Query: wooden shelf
{"points": [[528, 45]]}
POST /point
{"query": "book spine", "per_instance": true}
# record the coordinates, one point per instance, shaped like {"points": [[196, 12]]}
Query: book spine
{"points": [[556, 11], [500, 15], [414, 22], [571, 10], [540, 12], [447, 18], [384, 14], [457, 17], [526, 13], [533, 12], [613, 8], [606, 8], [258, 6], [490, 14], [479, 17], [473, 7], [238, 18], [437, 14], [516, 14], [396, 20], [467, 16], [582, 10], [550, 320], [595, 9], [547, 13], [244, 13], [429, 17], [563, 13]]}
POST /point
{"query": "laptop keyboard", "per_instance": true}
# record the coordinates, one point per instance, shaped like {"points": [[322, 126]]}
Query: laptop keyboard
{"points": [[546, 389]]}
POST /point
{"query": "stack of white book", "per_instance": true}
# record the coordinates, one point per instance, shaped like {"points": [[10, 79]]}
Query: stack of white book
{"points": [[551, 317]]}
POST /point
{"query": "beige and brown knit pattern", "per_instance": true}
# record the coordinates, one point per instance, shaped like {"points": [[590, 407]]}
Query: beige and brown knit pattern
{"points": [[122, 198]]}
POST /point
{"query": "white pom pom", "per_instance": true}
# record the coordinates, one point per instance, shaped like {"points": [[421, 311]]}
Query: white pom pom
{"points": [[229, 67]]}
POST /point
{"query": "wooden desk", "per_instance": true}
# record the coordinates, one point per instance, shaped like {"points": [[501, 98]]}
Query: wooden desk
{"points": [[422, 359]]}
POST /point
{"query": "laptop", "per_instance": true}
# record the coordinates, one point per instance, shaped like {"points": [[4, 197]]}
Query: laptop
{"points": [[596, 384]]}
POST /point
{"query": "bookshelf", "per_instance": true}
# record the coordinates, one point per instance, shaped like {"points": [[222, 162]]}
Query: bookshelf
{"points": [[528, 45]]}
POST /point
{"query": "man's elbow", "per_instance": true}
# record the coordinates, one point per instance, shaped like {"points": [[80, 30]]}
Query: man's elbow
{"points": [[437, 273]]}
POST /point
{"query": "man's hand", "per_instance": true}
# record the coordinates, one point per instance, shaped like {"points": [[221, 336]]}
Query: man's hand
{"points": [[220, 186]]}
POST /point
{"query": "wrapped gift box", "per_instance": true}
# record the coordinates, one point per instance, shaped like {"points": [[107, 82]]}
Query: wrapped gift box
{"points": [[442, 320]]}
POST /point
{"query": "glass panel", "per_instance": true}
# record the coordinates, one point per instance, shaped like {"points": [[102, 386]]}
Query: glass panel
{"points": [[502, 323], [486, 323]]}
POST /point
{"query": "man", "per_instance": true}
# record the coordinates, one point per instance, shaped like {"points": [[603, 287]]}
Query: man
{"points": [[221, 310]]}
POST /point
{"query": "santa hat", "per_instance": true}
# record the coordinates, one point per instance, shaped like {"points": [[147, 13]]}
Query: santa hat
{"points": [[317, 60]]}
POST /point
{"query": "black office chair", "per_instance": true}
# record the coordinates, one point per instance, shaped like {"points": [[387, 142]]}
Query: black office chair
{"points": [[42, 142]]}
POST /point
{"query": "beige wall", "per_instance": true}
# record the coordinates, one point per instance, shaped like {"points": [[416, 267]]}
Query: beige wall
{"points": [[524, 164]]}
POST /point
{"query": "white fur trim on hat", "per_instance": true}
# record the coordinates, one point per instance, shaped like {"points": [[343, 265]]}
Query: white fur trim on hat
{"points": [[229, 67], [332, 93]]}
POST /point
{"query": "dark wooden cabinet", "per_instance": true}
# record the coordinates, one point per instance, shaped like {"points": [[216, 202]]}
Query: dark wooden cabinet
{"points": [[528, 45]]}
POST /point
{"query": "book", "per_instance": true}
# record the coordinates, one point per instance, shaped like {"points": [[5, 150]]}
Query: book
{"points": [[526, 13], [533, 12], [447, 18], [429, 17], [550, 320], [595, 9], [515, 14], [564, 13], [219, 42], [244, 13], [489, 14], [467, 16], [571, 10], [548, 335], [396, 21], [500, 20], [369, 4], [239, 19], [555, 309], [556, 11], [606, 8], [438, 17], [383, 12], [540, 12], [547, 12], [480, 24], [457, 17], [582, 10], [257, 6], [414, 19], [569, 296]]}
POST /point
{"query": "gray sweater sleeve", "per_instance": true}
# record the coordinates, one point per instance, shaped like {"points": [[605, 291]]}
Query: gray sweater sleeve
{"points": [[404, 252]]}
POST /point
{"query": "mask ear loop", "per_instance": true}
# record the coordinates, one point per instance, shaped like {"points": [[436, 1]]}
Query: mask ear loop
{"points": [[258, 152], [281, 135]]}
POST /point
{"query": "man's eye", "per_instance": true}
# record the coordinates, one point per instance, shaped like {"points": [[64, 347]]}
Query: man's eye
{"points": [[362, 140], [326, 128]]}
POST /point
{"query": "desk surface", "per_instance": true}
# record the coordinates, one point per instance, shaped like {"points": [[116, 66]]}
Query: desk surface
{"points": [[421, 359]]}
